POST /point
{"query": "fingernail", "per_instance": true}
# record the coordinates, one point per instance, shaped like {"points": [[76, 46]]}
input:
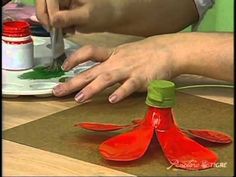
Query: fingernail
{"points": [[79, 97], [113, 98], [58, 90], [64, 67]]}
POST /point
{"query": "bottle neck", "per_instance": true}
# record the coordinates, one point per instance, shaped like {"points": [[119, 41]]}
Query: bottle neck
{"points": [[160, 118]]}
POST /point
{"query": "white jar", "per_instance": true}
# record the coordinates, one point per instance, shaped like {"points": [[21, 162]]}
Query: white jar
{"points": [[17, 46]]}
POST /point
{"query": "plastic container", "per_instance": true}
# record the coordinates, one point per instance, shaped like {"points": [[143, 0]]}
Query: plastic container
{"points": [[17, 46]]}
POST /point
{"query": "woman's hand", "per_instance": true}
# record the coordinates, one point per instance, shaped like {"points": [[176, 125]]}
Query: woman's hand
{"points": [[85, 15], [159, 57], [136, 17], [134, 65]]}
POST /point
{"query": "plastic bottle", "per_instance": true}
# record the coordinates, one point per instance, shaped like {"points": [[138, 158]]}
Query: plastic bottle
{"points": [[17, 46]]}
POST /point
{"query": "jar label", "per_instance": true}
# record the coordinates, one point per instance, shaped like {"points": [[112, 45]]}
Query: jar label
{"points": [[17, 57]]}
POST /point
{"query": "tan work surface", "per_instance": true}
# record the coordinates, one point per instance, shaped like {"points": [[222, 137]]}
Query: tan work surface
{"points": [[56, 133]]}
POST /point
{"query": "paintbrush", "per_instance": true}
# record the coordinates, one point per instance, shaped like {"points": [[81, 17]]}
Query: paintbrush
{"points": [[58, 52]]}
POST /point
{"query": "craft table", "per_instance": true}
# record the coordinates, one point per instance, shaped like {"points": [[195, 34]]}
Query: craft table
{"points": [[22, 160]]}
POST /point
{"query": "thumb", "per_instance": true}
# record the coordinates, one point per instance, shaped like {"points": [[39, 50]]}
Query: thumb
{"points": [[71, 17], [52, 9], [86, 53]]}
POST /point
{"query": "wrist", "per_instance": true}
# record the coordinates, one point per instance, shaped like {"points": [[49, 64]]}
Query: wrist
{"points": [[205, 54], [175, 52], [182, 53]]}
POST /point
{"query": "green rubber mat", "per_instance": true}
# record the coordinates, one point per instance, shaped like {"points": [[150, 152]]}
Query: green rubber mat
{"points": [[56, 133]]}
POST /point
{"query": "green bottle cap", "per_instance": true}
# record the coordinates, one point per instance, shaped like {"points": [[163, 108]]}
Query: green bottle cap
{"points": [[161, 94]]}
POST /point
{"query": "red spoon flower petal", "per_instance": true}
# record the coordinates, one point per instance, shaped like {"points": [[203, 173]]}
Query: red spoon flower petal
{"points": [[137, 121], [183, 152], [100, 126], [128, 146], [210, 135]]}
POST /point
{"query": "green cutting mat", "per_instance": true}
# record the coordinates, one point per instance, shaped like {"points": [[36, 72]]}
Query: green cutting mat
{"points": [[55, 133]]}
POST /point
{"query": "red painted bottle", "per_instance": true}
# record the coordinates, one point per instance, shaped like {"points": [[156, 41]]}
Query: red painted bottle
{"points": [[17, 46], [180, 150]]}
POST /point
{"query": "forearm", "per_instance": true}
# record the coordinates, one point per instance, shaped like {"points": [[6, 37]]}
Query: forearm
{"points": [[151, 17], [206, 54]]}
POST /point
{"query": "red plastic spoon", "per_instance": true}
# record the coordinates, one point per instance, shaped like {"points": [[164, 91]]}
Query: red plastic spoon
{"points": [[180, 150], [209, 135], [103, 127], [128, 146], [100, 126]]}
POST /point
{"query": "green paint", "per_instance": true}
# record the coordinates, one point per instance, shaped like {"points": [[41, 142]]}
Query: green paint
{"points": [[41, 73]]}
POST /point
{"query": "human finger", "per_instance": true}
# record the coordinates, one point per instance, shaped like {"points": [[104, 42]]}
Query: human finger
{"points": [[52, 9], [86, 53], [70, 30], [41, 12], [129, 86], [103, 81], [71, 17], [77, 82]]}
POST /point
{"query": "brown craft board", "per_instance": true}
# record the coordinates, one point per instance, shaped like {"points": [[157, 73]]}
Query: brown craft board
{"points": [[56, 133]]}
